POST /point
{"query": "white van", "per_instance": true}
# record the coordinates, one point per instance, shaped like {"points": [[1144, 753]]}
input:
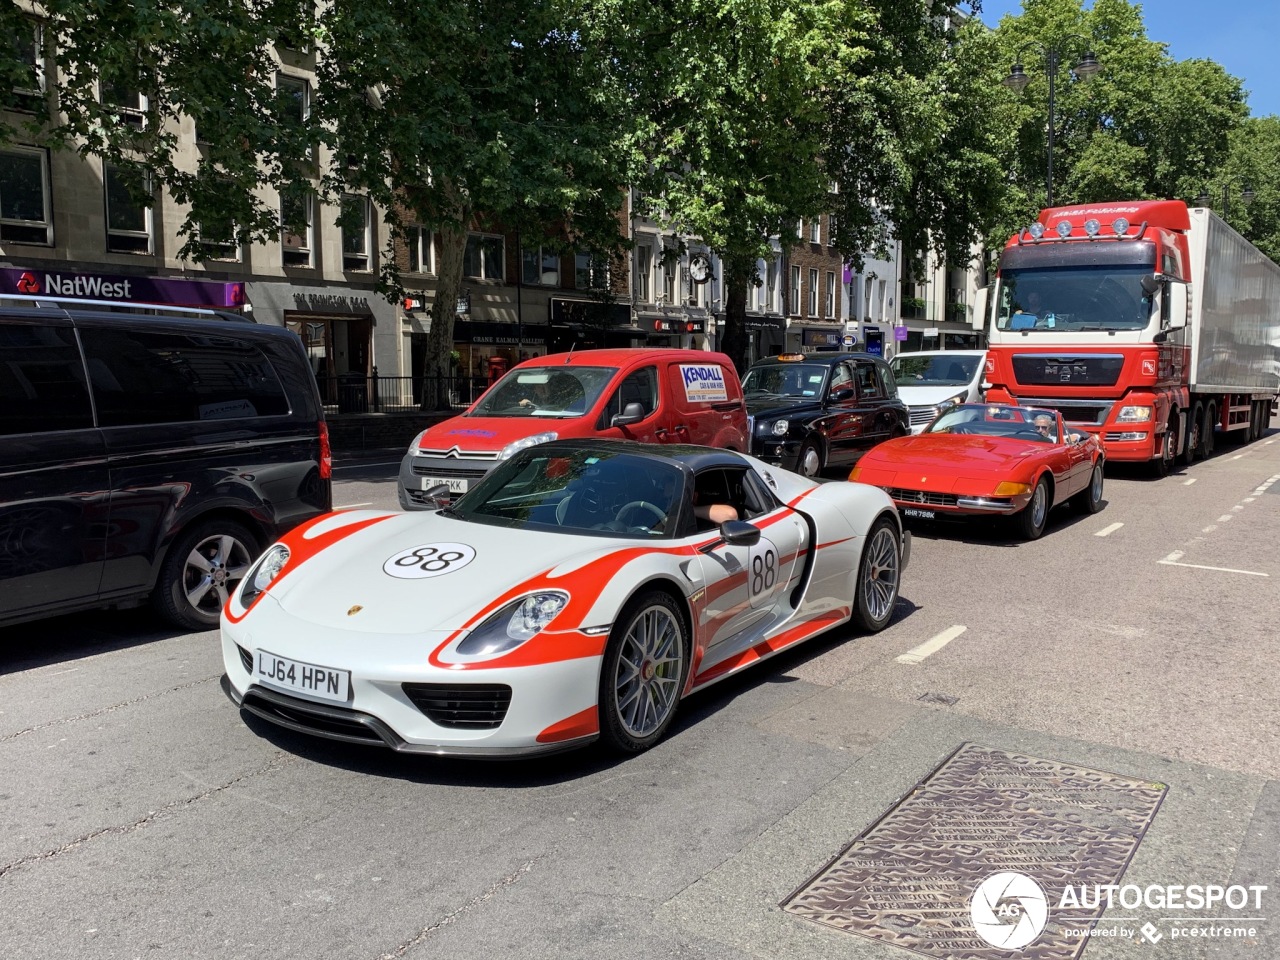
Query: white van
{"points": [[933, 377]]}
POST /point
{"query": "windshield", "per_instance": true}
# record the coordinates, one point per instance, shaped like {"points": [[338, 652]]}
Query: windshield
{"points": [[552, 392], [578, 491], [1074, 298], [935, 370], [798, 380], [999, 420]]}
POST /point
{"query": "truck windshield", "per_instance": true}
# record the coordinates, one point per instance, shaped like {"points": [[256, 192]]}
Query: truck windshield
{"points": [[1097, 297], [559, 392]]}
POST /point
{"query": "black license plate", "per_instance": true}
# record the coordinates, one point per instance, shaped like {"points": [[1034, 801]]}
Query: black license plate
{"points": [[919, 514]]}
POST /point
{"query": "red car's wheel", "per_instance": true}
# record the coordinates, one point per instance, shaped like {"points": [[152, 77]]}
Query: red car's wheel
{"points": [[1033, 517], [1089, 500]]}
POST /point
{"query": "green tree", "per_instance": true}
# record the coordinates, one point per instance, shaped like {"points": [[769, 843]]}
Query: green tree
{"points": [[1254, 163]]}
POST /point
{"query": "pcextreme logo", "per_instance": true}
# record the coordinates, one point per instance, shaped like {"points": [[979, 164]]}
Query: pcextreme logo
{"points": [[1009, 910]]}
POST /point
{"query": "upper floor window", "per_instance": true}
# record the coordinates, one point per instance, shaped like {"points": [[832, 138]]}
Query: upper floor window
{"points": [[795, 291], [218, 240], [130, 105], [128, 219], [831, 230], [422, 250], [297, 230], [831, 296], [644, 273], [669, 269], [540, 267], [26, 211], [813, 293], [357, 233], [28, 54], [590, 271], [484, 257], [295, 97], [815, 230]]}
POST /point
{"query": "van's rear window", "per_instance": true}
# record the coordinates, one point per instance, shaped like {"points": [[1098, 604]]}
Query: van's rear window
{"points": [[41, 380], [141, 377]]}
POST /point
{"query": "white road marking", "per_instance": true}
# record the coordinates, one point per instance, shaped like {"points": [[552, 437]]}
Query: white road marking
{"points": [[1269, 443], [349, 506], [1176, 555], [1224, 518], [1107, 531], [1237, 456], [1199, 566], [1237, 508], [1187, 483], [1247, 500], [931, 646], [1210, 528]]}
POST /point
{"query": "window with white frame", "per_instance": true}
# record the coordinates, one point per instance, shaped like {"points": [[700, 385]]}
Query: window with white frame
{"points": [[357, 233], [28, 52], [484, 256], [218, 240], [813, 293], [771, 286], [756, 301], [540, 267], [831, 296], [670, 266], [644, 273], [815, 230], [590, 271], [422, 249], [831, 230], [297, 229], [795, 291], [26, 210], [294, 94], [799, 229], [130, 105], [128, 218]]}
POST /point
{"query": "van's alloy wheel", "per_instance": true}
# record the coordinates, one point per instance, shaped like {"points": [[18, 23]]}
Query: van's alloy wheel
{"points": [[203, 567]]}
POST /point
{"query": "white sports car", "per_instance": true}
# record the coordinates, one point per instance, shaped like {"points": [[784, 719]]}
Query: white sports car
{"points": [[576, 593]]}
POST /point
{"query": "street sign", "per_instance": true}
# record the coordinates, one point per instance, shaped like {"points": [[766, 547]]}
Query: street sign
{"points": [[850, 340], [464, 305], [899, 333]]}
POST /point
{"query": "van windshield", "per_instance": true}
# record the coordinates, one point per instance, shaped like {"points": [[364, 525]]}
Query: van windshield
{"points": [[557, 393], [934, 370]]}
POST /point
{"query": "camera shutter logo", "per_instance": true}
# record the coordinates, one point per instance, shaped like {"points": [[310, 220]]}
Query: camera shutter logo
{"points": [[1009, 910]]}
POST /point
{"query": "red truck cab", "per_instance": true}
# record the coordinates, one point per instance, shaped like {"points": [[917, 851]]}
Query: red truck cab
{"points": [[651, 395]]}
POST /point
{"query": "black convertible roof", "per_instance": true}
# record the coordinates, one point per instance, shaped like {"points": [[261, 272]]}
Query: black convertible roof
{"points": [[687, 455]]}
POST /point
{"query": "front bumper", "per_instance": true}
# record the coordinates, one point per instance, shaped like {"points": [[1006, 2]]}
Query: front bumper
{"points": [[419, 472], [777, 451], [915, 504]]}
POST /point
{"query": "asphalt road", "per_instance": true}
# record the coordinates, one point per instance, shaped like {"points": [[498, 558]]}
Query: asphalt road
{"points": [[140, 816]]}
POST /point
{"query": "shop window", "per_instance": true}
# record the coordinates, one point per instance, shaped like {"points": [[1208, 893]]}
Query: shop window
{"points": [[795, 291], [422, 250], [128, 217], [26, 212], [297, 230], [540, 267], [357, 242], [483, 258], [142, 377], [42, 385], [592, 273], [813, 293]]}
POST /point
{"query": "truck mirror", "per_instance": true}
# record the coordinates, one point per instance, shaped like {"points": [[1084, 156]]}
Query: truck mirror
{"points": [[631, 413], [1150, 284]]}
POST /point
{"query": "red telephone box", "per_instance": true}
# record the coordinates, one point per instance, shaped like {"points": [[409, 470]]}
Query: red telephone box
{"points": [[497, 367]]}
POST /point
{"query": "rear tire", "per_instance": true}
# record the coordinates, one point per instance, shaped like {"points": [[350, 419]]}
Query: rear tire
{"points": [[1089, 500], [1206, 430], [879, 577], [201, 570], [642, 677], [1033, 518]]}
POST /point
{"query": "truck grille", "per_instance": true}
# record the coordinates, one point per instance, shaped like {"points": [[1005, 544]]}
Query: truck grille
{"points": [[921, 496], [1083, 369], [472, 706], [1073, 411]]}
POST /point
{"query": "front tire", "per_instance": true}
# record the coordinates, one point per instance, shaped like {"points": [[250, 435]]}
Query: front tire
{"points": [[809, 460], [203, 567], [1034, 516], [643, 674], [1162, 464], [879, 577]]}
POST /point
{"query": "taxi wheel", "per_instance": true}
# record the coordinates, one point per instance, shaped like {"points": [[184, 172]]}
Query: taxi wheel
{"points": [[203, 566], [1032, 518], [809, 461], [645, 666], [879, 577]]}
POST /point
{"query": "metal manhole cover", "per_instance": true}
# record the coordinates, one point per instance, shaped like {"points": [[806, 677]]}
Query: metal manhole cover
{"points": [[944, 872]]}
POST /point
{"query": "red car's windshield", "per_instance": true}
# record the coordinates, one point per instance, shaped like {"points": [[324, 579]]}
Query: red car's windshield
{"points": [[999, 420]]}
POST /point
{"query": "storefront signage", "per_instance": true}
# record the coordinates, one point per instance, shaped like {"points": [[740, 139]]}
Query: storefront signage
{"points": [[496, 334], [331, 303], [678, 325], [101, 286], [899, 333], [463, 307], [820, 338]]}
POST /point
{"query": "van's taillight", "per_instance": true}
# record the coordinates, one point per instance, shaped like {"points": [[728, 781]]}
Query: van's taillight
{"points": [[326, 453]]}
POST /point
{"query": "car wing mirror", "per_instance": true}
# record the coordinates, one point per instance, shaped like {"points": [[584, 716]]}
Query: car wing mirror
{"points": [[841, 394], [438, 496], [739, 533], [631, 413]]}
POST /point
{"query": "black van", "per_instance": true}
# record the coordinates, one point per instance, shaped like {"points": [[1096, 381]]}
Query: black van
{"points": [[148, 456]]}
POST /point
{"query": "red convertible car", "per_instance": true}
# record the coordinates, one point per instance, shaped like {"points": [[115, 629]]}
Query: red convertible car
{"points": [[980, 458]]}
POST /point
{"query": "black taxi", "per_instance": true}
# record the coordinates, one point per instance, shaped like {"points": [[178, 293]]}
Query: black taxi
{"points": [[808, 411]]}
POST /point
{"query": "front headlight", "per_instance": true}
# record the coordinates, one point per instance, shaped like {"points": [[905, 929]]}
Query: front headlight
{"points": [[511, 449], [263, 573], [1133, 415], [950, 402], [516, 623], [780, 428], [416, 442]]}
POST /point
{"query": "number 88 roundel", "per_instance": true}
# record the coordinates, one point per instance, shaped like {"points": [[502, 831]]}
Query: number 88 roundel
{"points": [[429, 560]]}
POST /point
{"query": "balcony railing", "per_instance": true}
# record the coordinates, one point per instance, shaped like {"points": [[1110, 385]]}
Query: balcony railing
{"points": [[360, 393]]}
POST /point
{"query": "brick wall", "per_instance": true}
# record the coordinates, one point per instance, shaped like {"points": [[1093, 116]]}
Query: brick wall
{"points": [[814, 256]]}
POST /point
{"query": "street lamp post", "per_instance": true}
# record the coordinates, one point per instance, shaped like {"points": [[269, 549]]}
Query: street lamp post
{"points": [[1246, 194], [1017, 80]]}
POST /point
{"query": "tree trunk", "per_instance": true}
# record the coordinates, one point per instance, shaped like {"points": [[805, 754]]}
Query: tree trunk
{"points": [[438, 371], [734, 344]]}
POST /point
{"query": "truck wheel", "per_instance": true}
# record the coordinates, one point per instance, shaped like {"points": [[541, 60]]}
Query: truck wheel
{"points": [[1206, 430], [809, 462], [201, 569], [1195, 420], [1030, 522], [1168, 449]]}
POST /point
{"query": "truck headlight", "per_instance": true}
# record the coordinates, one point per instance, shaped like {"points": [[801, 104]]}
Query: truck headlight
{"points": [[511, 449], [517, 622], [1133, 415], [263, 574], [780, 428]]}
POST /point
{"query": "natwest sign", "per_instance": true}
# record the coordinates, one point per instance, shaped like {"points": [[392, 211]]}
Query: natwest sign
{"points": [[98, 286]]}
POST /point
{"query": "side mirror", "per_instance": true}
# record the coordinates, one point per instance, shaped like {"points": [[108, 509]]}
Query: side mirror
{"points": [[739, 533], [841, 394], [1150, 284], [439, 495], [631, 413]]}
